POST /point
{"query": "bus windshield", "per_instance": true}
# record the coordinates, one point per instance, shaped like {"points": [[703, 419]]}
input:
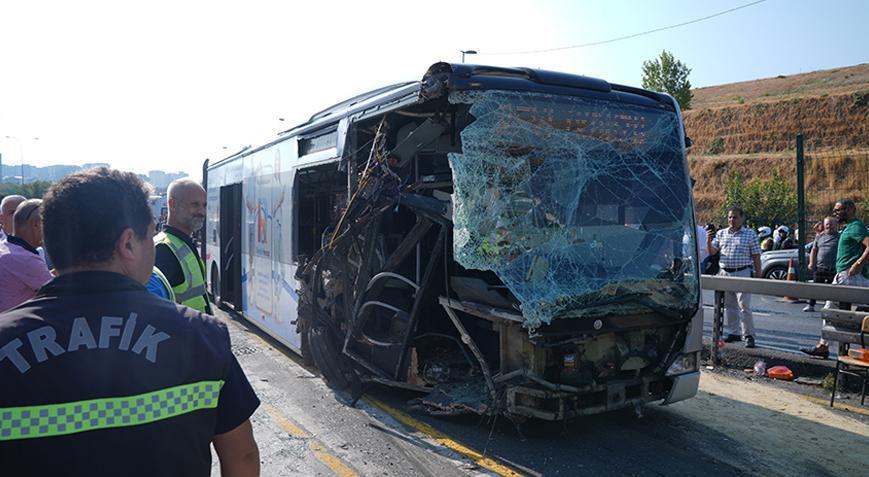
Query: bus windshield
{"points": [[581, 206]]}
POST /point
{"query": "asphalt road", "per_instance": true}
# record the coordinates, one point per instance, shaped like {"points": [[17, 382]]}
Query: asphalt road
{"points": [[733, 427], [779, 325]]}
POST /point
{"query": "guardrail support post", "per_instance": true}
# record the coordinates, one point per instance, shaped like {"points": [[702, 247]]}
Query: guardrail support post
{"points": [[717, 327]]}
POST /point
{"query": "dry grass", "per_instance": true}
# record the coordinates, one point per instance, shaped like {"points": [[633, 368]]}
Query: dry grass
{"points": [[830, 176], [837, 122], [816, 83], [750, 129]]}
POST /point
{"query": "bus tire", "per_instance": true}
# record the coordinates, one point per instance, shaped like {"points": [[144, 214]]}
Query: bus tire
{"points": [[215, 288], [326, 358], [305, 346]]}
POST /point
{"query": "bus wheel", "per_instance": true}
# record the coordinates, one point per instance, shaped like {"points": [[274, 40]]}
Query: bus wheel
{"points": [[327, 359], [215, 289], [305, 338]]}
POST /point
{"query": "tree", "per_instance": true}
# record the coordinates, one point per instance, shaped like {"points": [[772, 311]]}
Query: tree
{"points": [[669, 75], [31, 190], [766, 201]]}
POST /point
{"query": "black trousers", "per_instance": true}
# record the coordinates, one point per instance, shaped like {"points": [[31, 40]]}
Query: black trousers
{"points": [[823, 276]]}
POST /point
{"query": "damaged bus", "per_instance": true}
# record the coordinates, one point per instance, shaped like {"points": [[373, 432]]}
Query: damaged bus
{"points": [[501, 240]]}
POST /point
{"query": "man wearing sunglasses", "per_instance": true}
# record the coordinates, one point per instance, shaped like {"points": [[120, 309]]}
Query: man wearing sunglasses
{"points": [[852, 260], [24, 271]]}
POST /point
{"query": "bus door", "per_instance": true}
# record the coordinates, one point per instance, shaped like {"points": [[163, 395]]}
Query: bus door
{"points": [[230, 244]]}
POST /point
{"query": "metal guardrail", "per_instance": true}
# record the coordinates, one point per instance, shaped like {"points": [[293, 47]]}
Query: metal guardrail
{"points": [[762, 286], [844, 327]]}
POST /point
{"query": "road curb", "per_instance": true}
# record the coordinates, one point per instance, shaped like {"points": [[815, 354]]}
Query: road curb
{"points": [[737, 356]]}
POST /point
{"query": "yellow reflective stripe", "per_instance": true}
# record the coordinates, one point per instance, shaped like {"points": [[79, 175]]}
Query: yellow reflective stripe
{"points": [[191, 292], [48, 420]]}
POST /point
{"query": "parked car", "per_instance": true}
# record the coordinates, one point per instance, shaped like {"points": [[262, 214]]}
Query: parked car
{"points": [[774, 264]]}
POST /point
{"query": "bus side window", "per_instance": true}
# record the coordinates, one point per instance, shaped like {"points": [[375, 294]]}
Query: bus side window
{"points": [[319, 199]]}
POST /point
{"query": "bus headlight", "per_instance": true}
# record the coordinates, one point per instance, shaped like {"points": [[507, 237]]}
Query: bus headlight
{"points": [[685, 363]]}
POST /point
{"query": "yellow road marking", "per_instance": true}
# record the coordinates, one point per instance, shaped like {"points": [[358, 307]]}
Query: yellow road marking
{"points": [[294, 429], [837, 405], [337, 465], [444, 440], [317, 448]]}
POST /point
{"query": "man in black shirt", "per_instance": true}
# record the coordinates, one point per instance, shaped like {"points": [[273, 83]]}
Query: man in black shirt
{"points": [[99, 377]]}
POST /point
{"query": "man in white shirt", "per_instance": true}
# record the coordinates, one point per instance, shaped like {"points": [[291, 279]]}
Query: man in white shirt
{"points": [[740, 257]]}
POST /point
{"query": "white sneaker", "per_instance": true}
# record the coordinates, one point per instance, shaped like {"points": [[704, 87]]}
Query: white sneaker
{"points": [[809, 308]]}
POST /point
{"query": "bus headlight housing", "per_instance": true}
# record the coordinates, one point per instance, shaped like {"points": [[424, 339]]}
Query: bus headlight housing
{"points": [[685, 363]]}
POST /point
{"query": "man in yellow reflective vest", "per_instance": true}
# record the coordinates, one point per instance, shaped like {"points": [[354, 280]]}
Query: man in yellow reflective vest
{"points": [[177, 256]]}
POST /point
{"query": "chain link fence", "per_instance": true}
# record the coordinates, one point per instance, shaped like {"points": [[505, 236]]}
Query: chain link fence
{"points": [[834, 174]]}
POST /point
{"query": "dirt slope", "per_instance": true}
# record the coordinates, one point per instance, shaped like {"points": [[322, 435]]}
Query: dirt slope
{"points": [[816, 83], [749, 128]]}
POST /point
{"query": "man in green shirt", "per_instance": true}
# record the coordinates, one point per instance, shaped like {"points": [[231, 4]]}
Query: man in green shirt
{"points": [[851, 259], [853, 252]]}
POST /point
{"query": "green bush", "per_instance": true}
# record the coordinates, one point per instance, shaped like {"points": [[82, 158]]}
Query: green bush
{"points": [[861, 98], [715, 147], [765, 201], [31, 190]]}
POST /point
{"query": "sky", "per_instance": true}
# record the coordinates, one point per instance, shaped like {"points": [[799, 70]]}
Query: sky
{"points": [[166, 84]]}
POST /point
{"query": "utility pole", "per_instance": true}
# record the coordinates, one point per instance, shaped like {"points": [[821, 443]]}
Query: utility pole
{"points": [[20, 154]]}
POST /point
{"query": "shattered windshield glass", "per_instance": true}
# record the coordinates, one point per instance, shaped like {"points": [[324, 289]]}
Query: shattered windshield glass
{"points": [[581, 206]]}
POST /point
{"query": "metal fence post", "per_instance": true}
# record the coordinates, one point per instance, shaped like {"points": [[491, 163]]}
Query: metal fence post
{"points": [[717, 327], [801, 211]]}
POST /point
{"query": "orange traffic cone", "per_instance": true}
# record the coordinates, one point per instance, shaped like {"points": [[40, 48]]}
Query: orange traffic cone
{"points": [[792, 277]]}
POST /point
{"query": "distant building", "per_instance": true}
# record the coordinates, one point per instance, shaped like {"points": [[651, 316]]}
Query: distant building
{"points": [[158, 179], [54, 173], [13, 173]]}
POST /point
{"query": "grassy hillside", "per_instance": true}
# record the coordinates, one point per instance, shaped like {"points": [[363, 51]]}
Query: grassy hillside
{"points": [[816, 83], [749, 128]]}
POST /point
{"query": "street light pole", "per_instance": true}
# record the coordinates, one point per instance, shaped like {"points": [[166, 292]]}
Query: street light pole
{"points": [[467, 52], [20, 155]]}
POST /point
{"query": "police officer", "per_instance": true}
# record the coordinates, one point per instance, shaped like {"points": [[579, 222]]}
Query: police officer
{"points": [[177, 256], [100, 377]]}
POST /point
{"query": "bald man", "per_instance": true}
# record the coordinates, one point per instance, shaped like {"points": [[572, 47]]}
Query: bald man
{"points": [[177, 256], [7, 210], [23, 270]]}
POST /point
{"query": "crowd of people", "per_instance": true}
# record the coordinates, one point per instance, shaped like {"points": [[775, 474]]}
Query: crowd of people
{"points": [[839, 255], [105, 358]]}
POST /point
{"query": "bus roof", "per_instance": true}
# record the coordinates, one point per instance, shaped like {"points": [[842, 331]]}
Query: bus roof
{"points": [[458, 77]]}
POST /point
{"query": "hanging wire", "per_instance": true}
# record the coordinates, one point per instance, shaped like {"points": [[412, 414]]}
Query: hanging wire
{"points": [[627, 37]]}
